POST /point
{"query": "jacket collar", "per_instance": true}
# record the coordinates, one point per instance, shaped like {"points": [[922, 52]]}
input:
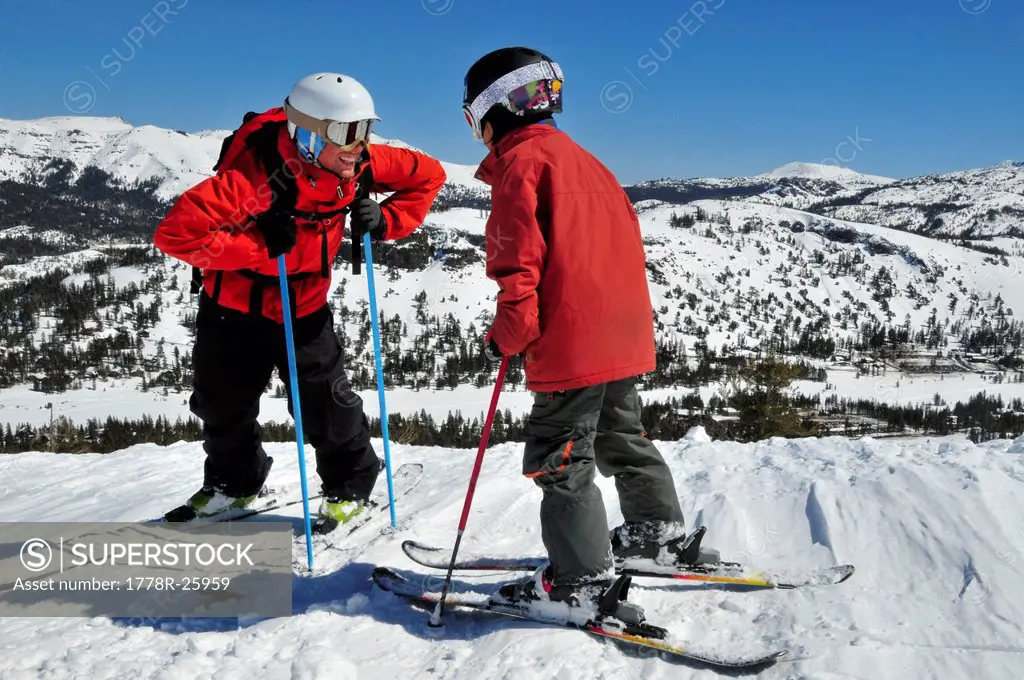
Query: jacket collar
{"points": [[485, 171]]}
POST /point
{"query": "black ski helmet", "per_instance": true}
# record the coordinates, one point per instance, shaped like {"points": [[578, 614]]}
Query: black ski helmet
{"points": [[511, 86]]}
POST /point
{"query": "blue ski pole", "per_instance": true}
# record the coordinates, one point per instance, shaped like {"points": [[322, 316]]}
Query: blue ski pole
{"points": [[380, 373], [293, 373]]}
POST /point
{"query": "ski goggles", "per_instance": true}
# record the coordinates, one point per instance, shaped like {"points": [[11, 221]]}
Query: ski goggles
{"points": [[531, 88], [347, 135]]}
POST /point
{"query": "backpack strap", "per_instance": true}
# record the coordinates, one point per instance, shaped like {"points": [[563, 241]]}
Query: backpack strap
{"points": [[285, 194], [363, 188]]}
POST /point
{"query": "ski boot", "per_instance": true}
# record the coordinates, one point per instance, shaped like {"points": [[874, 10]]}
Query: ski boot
{"points": [[663, 543], [539, 588], [336, 511], [601, 601], [212, 502]]}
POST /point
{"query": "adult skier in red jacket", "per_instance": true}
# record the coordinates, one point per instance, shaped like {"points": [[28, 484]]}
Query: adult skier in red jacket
{"points": [[564, 246], [283, 183]]}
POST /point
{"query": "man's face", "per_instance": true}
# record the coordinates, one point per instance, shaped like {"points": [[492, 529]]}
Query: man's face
{"points": [[341, 162]]}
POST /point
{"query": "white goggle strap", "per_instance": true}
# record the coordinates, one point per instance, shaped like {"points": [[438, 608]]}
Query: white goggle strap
{"points": [[497, 92]]}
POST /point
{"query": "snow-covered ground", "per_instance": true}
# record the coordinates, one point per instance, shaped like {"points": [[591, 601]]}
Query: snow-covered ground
{"points": [[22, 405], [935, 527], [123, 399], [45, 263]]}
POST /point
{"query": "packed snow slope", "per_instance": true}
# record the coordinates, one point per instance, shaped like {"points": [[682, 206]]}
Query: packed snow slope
{"points": [[935, 528]]}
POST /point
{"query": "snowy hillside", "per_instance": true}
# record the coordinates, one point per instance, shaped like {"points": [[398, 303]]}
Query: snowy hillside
{"points": [[935, 528], [178, 160], [979, 203], [736, 266], [771, 264], [794, 185], [770, 276], [989, 199]]}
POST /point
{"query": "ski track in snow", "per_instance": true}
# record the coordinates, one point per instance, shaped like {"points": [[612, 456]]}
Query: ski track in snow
{"points": [[935, 527]]}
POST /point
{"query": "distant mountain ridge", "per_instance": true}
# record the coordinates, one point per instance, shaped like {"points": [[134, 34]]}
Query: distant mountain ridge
{"points": [[989, 201], [176, 160]]}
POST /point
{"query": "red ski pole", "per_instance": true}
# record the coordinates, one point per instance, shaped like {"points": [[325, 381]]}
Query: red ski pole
{"points": [[435, 617]]}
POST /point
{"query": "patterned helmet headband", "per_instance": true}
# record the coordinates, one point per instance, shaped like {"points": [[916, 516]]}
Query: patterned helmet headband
{"points": [[497, 92]]}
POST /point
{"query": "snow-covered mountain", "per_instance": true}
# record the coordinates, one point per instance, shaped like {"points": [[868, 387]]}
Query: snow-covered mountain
{"points": [[989, 199], [176, 159], [973, 204], [827, 172], [794, 185], [983, 202], [735, 265], [129, 153]]}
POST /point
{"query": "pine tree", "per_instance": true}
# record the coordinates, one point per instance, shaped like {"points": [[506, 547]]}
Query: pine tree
{"points": [[758, 393]]}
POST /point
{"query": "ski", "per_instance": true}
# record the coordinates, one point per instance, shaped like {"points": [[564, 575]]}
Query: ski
{"points": [[642, 635], [405, 479], [725, 572], [376, 513], [269, 498]]}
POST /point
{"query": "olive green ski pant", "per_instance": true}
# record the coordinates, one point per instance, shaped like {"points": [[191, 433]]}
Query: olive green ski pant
{"points": [[571, 433]]}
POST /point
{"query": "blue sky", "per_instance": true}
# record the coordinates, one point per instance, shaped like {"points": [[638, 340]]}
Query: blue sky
{"points": [[655, 89]]}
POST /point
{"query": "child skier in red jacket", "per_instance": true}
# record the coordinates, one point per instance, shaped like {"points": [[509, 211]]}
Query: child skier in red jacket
{"points": [[565, 248]]}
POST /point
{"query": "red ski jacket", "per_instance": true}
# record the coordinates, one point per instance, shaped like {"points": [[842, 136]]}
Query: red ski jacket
{"points": [[209, 226], [564, 246]]}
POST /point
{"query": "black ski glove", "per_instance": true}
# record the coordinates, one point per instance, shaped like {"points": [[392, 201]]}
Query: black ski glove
{"points": [[491, 351], [367, 216], [278, 233]]}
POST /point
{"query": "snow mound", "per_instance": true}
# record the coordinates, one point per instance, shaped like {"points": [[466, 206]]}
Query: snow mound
{"points": [[934, 526], [697, 434], [1017, 446]]}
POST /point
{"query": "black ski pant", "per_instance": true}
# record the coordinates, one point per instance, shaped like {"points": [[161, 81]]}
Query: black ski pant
{"points": [[570, 435], [233, 360]]}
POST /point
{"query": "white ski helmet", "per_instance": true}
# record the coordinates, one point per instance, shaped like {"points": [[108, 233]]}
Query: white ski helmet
{"points": [[330, 107]]}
